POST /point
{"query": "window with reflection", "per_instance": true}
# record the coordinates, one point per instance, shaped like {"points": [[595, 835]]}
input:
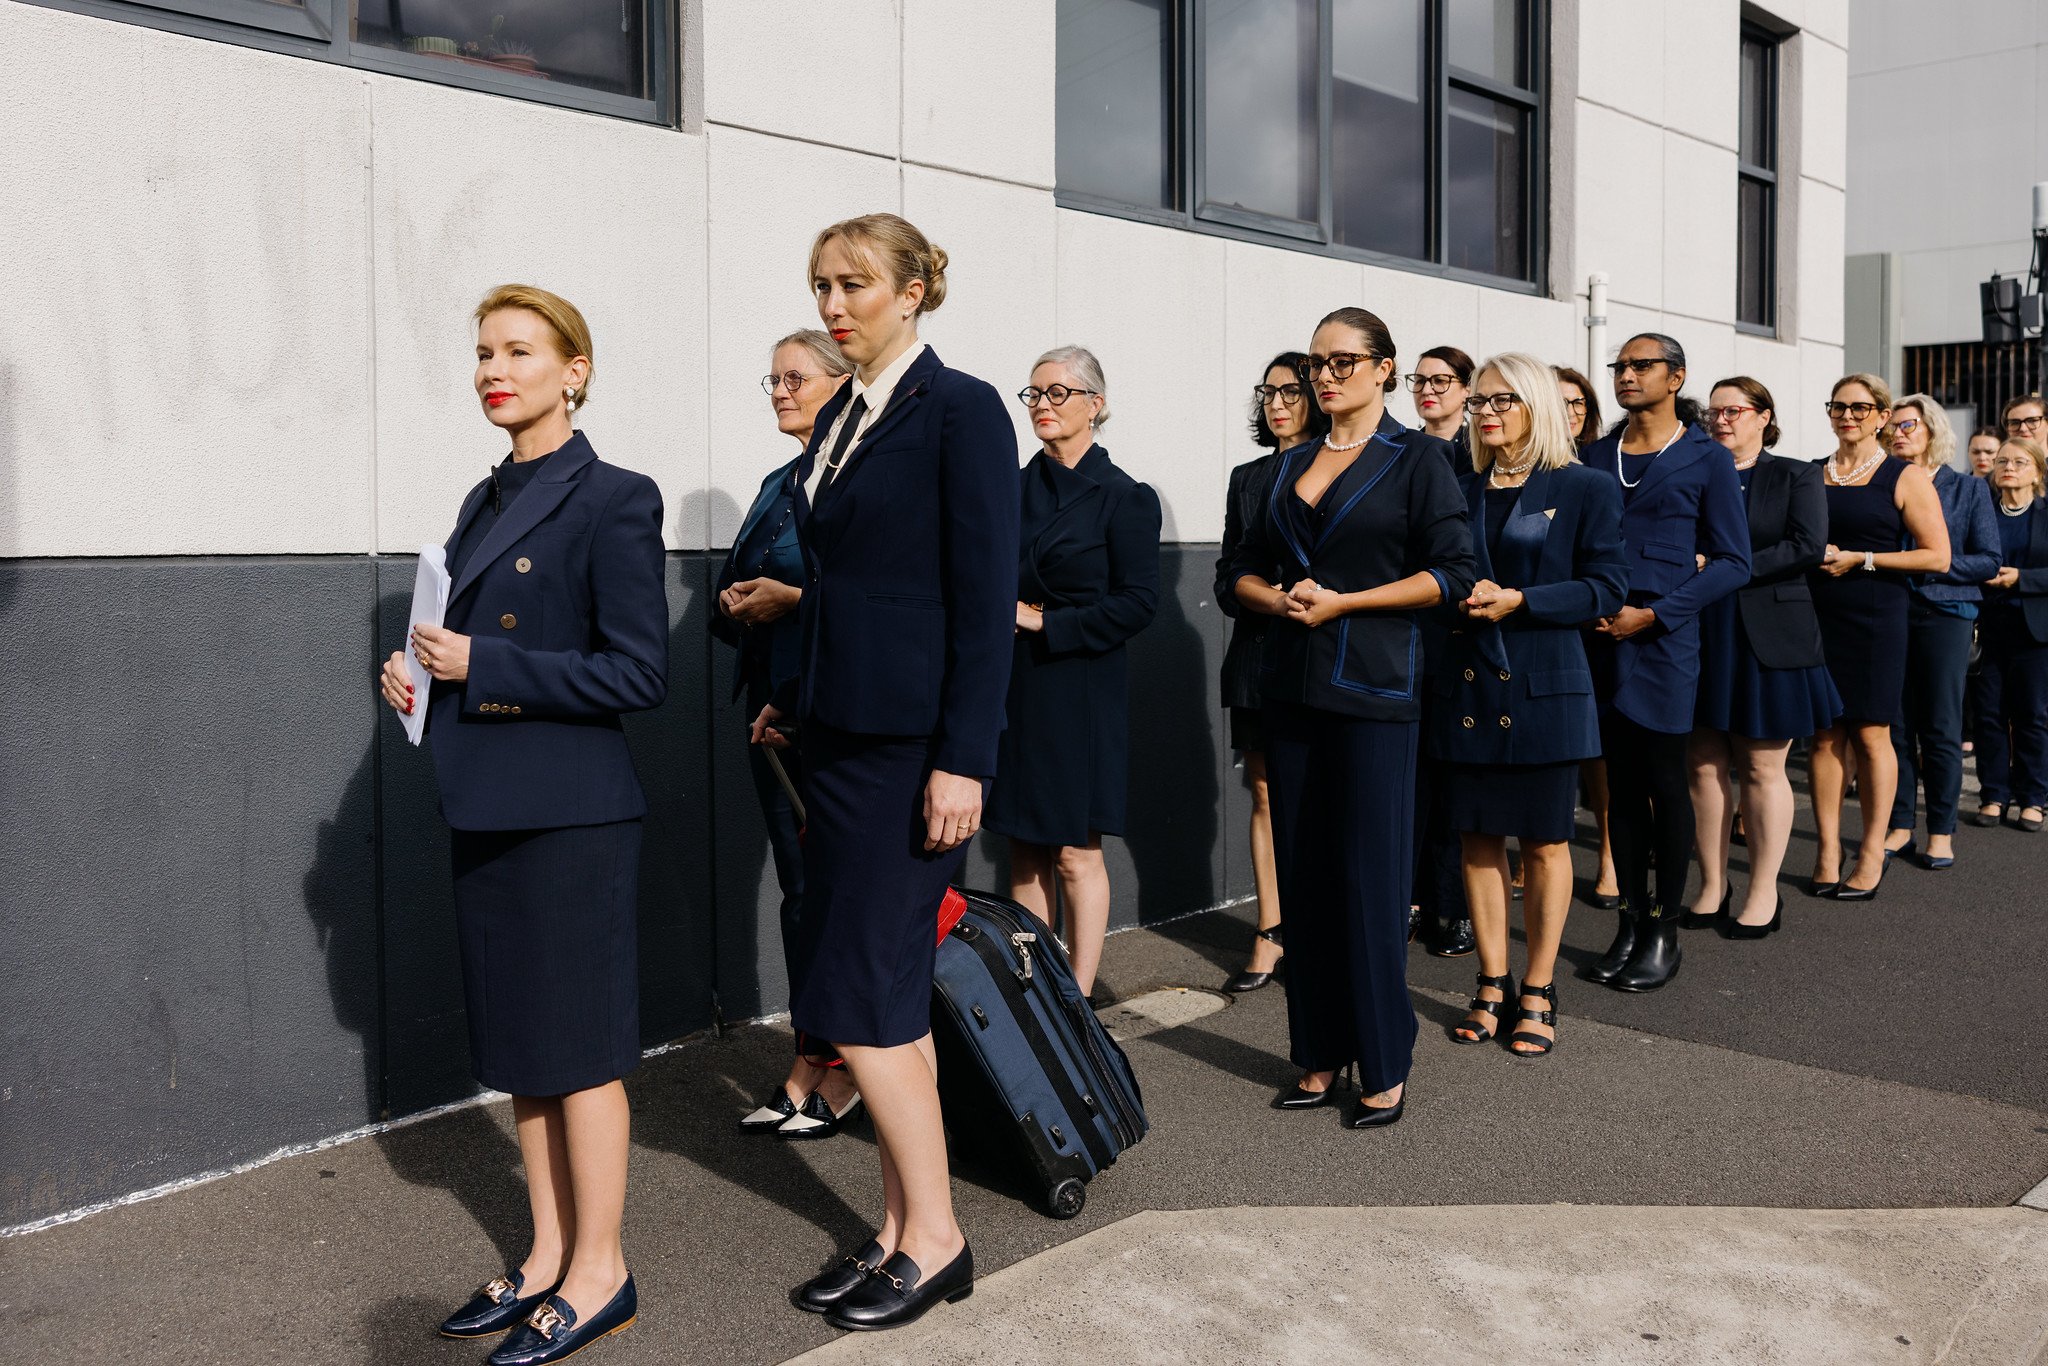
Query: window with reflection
{"points": [[1756, 182], [596, 44], [1403, 130]]}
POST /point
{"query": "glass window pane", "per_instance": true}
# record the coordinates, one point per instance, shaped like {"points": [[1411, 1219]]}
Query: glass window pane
{"points": [[1114, 107], [596, 44], [1378, 127], [1757, 97], [1753, 286], [1486, 37], [1259, 140], [1486, 199]]}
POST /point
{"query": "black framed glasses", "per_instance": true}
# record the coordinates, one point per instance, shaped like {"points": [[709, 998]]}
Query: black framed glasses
{"points": [[1641, 365], [1575, 405], [2024, 424], [1856, 411], [1340, 364], [1287, 393], [1436, 384], [1492, 403], [791, 380], [1057, 395]]}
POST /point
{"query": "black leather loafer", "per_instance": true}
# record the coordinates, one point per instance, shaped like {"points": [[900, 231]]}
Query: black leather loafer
{"points": [[1453, 939], [1365, 1116], [900, 1293], [773, 1114], [494, 1308], [821, 1292], [552, 1331]]}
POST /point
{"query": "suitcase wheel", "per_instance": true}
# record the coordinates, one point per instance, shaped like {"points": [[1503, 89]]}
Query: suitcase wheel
{"points": [[1065, 1199]]}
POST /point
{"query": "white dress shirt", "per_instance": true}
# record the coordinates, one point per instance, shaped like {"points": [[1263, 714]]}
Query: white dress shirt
{"points": [[877, 396]]}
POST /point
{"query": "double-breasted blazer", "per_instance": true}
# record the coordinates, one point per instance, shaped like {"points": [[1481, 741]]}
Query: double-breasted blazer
{"points": [[567, 617], [910, 556], [1395, 511], [1688, 504], [2031, 592], [1244, 507], [765, 548], [1519, 690], [1788, 535]]}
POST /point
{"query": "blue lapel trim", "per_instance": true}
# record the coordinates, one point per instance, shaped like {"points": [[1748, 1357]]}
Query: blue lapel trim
{"points": [[1388, 428]]}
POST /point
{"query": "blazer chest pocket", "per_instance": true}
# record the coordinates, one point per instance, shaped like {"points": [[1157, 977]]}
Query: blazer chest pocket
{"points": [[1560, 682]]}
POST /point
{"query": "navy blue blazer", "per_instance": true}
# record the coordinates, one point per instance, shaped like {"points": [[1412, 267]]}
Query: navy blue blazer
{"points": [[2030, 594], [1689, 503], [1519, 691], [567, 617], [1395, 511], [910, 608], [765, 549]]}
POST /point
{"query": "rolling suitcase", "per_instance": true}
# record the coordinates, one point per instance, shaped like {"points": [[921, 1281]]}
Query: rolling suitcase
{"points": [[1027, 1075]]}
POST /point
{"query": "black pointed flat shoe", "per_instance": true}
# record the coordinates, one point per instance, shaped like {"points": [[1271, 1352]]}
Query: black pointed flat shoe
{"points": [[1365, 1116], [818, 1120], [821, 1292], [772, 1114], [553, 1332], [494, 1308], [899, 1292]]}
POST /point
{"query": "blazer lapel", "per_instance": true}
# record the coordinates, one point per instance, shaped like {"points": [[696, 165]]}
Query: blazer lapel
{"points": [[528, 510], [470, 507], [1475, 513], [903, 399], [1381, 454], [1284, 508], [1683, 452], [808, 461]]}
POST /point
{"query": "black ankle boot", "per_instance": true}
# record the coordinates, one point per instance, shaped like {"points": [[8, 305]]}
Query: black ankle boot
{"points": [[1616, 957], [1654, 960]]}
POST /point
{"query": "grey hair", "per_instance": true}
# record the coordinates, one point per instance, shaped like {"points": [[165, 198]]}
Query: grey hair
{"points": [[1941, 435], [821, 346], [1081, 363]]}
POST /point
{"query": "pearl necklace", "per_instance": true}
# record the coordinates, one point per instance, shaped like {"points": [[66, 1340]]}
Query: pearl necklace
{"points": [[1750, 463], [1856, 475], [1348, 446], [1498, 469], [2019, 511], [1618, 468]]}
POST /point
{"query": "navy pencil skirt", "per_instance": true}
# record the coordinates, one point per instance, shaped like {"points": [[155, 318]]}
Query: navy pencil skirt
{"points": [[869, 928], [548, 922], [1343, 839]]}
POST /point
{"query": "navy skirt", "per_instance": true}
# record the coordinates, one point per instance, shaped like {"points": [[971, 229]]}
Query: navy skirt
{"points": [[548, 922], [1534, 802], [1742, 697], [869, 928]]}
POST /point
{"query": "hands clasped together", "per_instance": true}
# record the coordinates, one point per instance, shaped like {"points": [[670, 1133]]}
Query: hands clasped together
{"points": [[443, 653], [754, 602]]}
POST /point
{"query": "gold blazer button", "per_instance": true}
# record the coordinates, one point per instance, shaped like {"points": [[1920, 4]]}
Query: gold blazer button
{"points": [[523, 565], [508, 621], [1505, 723], [1468, 723]]}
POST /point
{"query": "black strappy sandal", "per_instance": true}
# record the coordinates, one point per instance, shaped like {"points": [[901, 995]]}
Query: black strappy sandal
{"points": [[1505, 984], [1252, 981], [1547, 992]]}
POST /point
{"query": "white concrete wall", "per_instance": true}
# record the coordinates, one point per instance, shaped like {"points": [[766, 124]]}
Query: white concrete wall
{"points": [[1948, 118], [239, 283]]}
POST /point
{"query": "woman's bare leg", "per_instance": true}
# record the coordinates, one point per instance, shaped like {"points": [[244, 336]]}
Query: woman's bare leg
{"points": [[1084, 896]]}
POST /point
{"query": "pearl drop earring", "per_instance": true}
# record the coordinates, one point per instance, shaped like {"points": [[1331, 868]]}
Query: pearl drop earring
{"points": [[569, 398]]}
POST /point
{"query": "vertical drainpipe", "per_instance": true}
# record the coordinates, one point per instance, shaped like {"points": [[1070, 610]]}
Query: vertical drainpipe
{"points": [[1596, 322]]}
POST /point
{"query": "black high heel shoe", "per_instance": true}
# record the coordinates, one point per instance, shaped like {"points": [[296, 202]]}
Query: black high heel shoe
{"points": [[1298, 1097], [1700, 920], [1505, 984], [1252, 981], [899, 1292], [1842, 891], [1524, 1015], [1365, 1116], [1735, 929]]}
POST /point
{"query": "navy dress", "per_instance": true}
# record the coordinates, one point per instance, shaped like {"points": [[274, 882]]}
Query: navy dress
{"points": [[1089, 546], [1741, 695], [557, 568], [1243, 509], [1863, 613]]}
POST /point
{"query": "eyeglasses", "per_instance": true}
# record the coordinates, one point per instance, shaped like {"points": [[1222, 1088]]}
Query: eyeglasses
{"points": [[2024, 424], [791, 380], [1577, 405], [1340, 364], [1729, 413], [1907, 427], [1639, 365], [1057, 395], [1857, 411], [1498, 403], [1287, 393], [2019, 462], [1436, 384]]}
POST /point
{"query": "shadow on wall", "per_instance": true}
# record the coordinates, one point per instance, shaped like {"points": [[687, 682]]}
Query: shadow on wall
{"points": [[1175, 783], [10, 481]]}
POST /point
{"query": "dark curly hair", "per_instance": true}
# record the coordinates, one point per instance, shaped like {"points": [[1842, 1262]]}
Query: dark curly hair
{"points": [[1314, 423]]}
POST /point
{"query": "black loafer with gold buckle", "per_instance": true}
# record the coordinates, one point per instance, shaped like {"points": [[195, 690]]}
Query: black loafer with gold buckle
{"points": [[899, 1292], [494, 1308], [821, 1292], [553, 1332]]}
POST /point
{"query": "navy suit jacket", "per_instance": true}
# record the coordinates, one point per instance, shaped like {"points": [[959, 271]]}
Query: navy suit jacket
{"points": [[765, 549], [567, 617], [2031, 592], [909, 611], [1689, 503], [1395, 511], [1519, 691]]}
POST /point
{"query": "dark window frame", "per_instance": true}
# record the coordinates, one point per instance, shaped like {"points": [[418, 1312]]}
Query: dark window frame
{"points": [[318, 29], [1188, 212], [1764, 177]]}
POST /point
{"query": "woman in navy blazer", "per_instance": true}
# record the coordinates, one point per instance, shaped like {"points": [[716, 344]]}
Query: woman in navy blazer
{"points": [[1515, 714], [1088, 581], [1368, 529], [2012, 685], [1687, 535], [758, 589], [907, 518], [557, 622]]}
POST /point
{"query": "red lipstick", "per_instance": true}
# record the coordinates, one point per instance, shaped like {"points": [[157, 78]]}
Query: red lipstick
{"points": [[496, 397], [840, 334]]}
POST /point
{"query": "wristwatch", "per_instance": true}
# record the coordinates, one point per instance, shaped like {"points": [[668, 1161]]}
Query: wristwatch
{"points": [[1870, 560]]}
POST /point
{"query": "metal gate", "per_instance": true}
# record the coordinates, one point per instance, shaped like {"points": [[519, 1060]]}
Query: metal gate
{"points": [[1980, 375]]}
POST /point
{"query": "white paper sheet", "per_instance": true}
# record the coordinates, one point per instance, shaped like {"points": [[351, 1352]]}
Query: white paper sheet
{"points": [[429, 604]]}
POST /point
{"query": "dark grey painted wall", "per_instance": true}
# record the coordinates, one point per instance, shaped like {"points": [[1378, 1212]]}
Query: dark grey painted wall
{"points": [[226, 922]]}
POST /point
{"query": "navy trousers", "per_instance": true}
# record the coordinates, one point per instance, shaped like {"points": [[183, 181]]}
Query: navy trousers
{"points": [[1343, 839], [1928, 735], [2012, 714], [1439, 887], [1649, 810]]}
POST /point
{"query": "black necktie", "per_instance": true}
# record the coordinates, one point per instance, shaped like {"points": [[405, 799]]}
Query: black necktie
{"points": [[847, 431]]}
